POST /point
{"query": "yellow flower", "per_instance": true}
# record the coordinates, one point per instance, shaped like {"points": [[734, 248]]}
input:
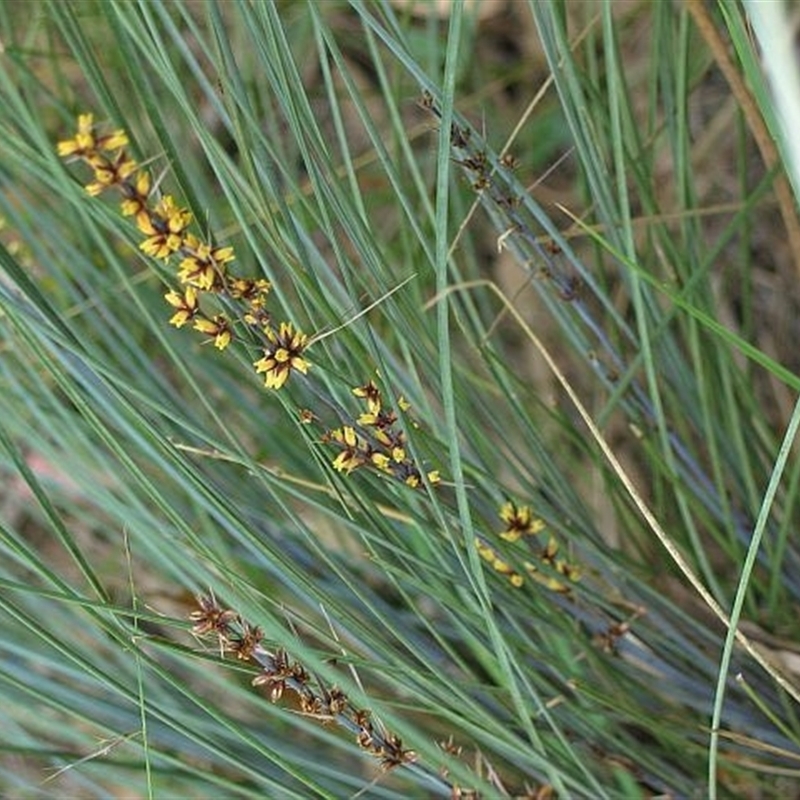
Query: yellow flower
{"points": [[347, 461], [224, 255], [282, 354], [108, 173], [519, 521], [254, 291], [90, 147], [167, 209], [83, 141], [136, 196], [568, 570], [197, 272], [164, 228], [186, 305], [204, 266], [346, 435], [115, 140], [160, 245], [491, 556], [381, 461], [372, 394], [218, 327], [351, 457], [550, 551]]}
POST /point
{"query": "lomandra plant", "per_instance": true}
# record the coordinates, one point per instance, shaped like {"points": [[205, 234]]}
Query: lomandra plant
{"points": [[292, 509]]}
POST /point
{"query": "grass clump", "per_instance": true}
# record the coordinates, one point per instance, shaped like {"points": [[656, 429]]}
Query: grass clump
{"points": [[475, 478]]}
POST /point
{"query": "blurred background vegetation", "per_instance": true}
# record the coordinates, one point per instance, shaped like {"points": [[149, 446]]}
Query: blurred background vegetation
{"points": [[565, 234]]}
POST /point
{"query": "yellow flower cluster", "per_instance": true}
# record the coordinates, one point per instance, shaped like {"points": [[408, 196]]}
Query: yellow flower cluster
{"points": [[520, 522], [376, 441], [203, 278], [203, 268]]}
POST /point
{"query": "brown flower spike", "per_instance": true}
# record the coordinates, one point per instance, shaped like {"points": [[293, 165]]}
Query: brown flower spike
{"points": [[280, 674]]}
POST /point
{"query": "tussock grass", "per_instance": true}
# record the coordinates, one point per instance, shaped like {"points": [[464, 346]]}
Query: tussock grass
{"points": [[544, 549]]}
